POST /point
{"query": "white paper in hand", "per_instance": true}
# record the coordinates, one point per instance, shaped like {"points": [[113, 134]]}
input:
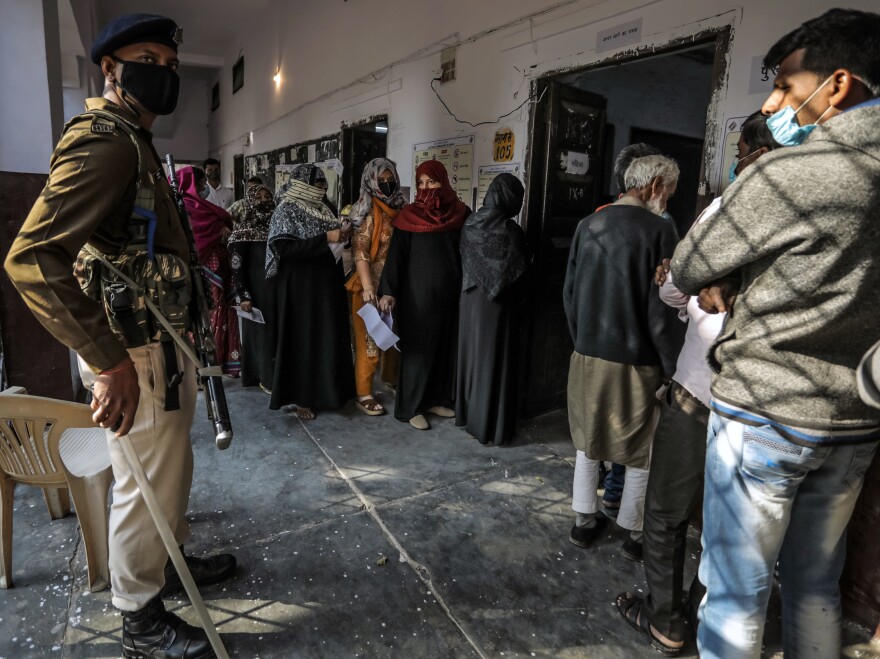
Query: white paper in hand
{"points": [[254, 314], [378, 327], [337, 249]]}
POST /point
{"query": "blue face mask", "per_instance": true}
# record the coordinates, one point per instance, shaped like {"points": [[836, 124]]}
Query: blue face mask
{"points": [[784, 126], [731, 175]]}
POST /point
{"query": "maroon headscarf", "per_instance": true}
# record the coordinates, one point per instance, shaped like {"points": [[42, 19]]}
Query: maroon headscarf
{"points": [[206, 218], [435, 210]]}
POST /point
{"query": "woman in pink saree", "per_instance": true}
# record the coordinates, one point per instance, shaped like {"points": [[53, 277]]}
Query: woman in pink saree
{"points": [[211, 227]]}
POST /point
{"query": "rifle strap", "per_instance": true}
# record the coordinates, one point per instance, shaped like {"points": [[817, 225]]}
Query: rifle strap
{"points": [[203, 371]]}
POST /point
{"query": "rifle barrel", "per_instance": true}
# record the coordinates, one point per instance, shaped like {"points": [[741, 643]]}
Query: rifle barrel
{"points": [[215, 395]]}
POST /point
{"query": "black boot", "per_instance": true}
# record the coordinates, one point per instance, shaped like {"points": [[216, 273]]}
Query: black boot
{"points": [[153, 632], [205, 571]]}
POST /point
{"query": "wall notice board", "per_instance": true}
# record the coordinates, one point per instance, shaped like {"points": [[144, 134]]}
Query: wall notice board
{"points": [[457, 155], [264, 164]]}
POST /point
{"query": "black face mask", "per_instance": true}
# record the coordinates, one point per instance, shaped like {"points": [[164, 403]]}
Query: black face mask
{"points": [[214, 175], [387, 188], [155, 87], [265, 206]]}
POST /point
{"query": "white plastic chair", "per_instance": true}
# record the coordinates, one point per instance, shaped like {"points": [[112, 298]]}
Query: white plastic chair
{"points": [[56, 446]]}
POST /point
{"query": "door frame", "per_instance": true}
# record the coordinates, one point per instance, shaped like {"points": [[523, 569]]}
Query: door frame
{"points": [[719, 36], [538, 145], [351, 180]]}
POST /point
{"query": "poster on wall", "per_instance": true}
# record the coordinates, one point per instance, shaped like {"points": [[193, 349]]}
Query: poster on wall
{"points": [[732, 132], [282, 175], [332, 169], [457, 155], [503, 145], [487, 173]]}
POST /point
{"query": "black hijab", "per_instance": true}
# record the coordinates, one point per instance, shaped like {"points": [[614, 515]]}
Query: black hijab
{"points": [[494, 253]]}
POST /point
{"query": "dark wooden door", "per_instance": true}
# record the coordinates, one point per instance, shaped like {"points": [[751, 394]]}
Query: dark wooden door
{"points": [[359, 146], [565, 182], [238, 175]]}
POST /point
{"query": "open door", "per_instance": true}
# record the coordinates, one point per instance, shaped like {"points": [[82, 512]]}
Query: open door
{"points": [[360, 144], [565, 181], [238, 176]]}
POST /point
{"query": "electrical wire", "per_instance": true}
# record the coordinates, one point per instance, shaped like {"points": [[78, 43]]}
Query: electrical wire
{"points": [[483, 123]]}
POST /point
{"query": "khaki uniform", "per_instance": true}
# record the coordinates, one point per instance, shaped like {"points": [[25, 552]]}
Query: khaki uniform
{"points": [[88, 198]]}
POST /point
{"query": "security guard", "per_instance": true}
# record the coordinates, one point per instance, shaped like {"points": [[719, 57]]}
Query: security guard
{"points": [[107, 195]]}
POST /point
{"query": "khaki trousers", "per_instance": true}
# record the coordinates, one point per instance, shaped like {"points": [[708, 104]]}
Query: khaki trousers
{"points": [[161, 440]]}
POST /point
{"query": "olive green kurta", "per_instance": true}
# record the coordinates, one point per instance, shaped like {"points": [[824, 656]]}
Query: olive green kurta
{"points": [[88, 197]]}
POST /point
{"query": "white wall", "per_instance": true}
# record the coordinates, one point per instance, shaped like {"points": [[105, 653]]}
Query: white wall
{"points": [[184, 134], [75, 81], [27, 139], [322, 47]]}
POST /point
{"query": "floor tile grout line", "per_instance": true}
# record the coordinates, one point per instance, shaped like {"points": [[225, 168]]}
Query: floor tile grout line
{"points": [[410, 497], [549, 457], [420, 570], [70, 595]]}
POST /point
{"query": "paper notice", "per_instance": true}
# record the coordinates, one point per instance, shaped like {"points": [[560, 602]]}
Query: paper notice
{"points": [[379, 326]]}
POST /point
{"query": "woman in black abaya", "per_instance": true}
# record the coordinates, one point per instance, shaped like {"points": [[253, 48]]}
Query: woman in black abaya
{"points": [[247, 245], [313, 366], [421, 282], [494, 257]]}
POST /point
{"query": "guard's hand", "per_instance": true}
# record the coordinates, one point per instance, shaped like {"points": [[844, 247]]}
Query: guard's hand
{"points": [[369, 296], [334, 236], [386, 304], [225, 232], [115, 397], [247, 306], [661, 272], [719, 296]]}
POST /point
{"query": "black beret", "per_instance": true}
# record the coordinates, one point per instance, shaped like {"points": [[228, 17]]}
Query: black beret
{"points": [[135, 28]]}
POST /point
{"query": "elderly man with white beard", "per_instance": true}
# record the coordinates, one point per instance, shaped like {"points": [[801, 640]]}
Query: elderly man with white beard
{"points": [[626, 342]]}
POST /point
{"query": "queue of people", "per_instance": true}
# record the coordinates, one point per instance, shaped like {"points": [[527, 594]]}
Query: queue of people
{"points": [[419, 263]]}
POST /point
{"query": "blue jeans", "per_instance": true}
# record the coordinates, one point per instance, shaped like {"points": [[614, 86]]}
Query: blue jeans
{"points": [[767, 499], [614, 482]]}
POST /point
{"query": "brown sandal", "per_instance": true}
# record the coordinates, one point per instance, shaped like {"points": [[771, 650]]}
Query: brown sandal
{"points": [[304, 413], [370, 406]]}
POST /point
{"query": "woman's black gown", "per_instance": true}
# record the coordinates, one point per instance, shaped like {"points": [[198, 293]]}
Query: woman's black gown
{"points": [[423, 274], [313, 360], [488, 364], [257, 341]]}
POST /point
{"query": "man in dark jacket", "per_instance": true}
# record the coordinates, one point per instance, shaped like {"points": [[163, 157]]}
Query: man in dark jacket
{"points": [[789, 438], [626, 343]]}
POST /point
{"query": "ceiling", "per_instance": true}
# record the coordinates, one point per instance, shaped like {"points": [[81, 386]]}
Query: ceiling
{"points": [[209, 26]]}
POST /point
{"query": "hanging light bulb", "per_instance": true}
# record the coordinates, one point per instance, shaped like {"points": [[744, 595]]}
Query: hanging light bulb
{"points": [[277, 77]]}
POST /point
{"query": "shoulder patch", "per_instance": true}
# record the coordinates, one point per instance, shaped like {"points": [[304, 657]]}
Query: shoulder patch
{"points": [[103, 126]]}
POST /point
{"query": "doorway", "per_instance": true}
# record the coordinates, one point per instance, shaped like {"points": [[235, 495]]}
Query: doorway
{"points": [[360, 144], [587, 117], [238, 175]]}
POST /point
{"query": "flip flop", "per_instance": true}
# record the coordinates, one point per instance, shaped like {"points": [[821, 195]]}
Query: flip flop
{"points": [[627, 602], [370, 407]]}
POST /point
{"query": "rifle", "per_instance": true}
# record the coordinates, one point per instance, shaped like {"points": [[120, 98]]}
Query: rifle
{"points": [[203, 336]]}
